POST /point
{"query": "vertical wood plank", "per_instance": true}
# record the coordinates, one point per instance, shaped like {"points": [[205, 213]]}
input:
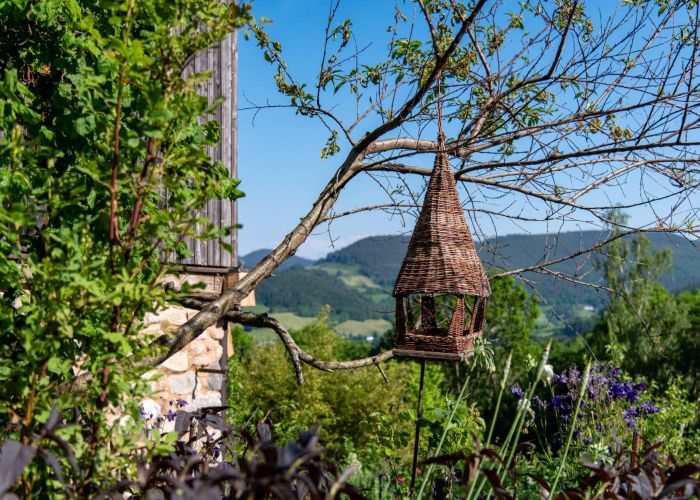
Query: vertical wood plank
{"points": [[232, 209], [221, 62], [211, 95], [225, 151]]}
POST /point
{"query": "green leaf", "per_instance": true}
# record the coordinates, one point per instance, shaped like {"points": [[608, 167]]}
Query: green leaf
{"points": [[154, 134]]}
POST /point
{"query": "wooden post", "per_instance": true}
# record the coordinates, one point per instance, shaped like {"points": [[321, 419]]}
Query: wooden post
{"points": [[419, 414]]}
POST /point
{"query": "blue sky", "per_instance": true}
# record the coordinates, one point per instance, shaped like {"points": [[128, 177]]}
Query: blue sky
{"points": [[279, 153]]}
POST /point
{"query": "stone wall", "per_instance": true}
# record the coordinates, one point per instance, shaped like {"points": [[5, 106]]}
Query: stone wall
{"points": [[180, 377]]}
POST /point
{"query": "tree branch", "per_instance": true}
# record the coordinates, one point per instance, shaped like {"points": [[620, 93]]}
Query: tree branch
{"points": [[297, 354], [350, 167]]}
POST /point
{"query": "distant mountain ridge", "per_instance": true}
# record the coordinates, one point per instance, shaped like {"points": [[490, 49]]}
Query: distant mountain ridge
{"points": [[356, 281], [377, 257], [251, 260]]}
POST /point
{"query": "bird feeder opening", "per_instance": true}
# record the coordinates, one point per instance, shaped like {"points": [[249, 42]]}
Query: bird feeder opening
{"points": [[447, 324]]}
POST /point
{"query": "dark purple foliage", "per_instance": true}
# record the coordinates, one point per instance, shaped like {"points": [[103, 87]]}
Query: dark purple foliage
{"points": [[203, 465], [637, 474]]}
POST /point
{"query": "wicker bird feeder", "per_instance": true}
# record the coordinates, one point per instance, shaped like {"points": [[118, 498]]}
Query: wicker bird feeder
{"points": [[442, 289]]}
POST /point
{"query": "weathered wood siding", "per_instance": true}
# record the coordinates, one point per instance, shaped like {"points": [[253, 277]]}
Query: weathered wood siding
{"points": [[222, 61]]}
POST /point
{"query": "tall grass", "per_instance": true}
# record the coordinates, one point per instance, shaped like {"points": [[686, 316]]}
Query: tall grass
{"points": [[426, 478], [510, 444], [480, 485], [504, 383]]}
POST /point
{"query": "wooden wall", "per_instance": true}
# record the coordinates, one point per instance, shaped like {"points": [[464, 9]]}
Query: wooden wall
{"points": [[222, 61]]}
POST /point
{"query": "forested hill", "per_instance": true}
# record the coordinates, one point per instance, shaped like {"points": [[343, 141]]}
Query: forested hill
{"points": [[357, 280], [251, 259]]}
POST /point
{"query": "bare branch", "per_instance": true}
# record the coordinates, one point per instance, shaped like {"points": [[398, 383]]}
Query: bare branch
{"points": [[431, 28], [297, 354], [440, 63]]}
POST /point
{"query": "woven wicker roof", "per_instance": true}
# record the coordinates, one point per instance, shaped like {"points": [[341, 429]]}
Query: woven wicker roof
{"points": [[441, 257]]}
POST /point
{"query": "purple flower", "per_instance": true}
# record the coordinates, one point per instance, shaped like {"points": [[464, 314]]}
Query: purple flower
{"points": [[648, 407], [574, 376], [171, 415], [181, 403], [626, 390], [615, 372], [538, 402], [618, 390], [630, 415], [560, 379], [517, 392], [587, 440], [632, 395], [559, 403]]}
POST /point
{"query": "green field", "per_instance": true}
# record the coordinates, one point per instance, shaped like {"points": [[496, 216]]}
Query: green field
{"points": [[553, 326], [291, 321], [367, 328], [349, 275]]}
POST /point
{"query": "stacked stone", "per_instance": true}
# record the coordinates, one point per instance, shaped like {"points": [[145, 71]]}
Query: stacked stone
{"points": [[179, 378]]}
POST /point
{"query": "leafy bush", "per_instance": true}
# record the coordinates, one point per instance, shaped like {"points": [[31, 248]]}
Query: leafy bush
{"points": [[676, 423], [103, 166], [262, 382]]}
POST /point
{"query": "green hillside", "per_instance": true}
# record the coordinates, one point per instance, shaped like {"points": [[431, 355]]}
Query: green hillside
{"points": [[519, 251], [304, 291], [377, 257], [356, 281], [251, 260]]}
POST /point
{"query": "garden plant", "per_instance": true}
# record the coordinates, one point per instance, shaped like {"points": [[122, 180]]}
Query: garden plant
{"points": [[551, 111]]}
